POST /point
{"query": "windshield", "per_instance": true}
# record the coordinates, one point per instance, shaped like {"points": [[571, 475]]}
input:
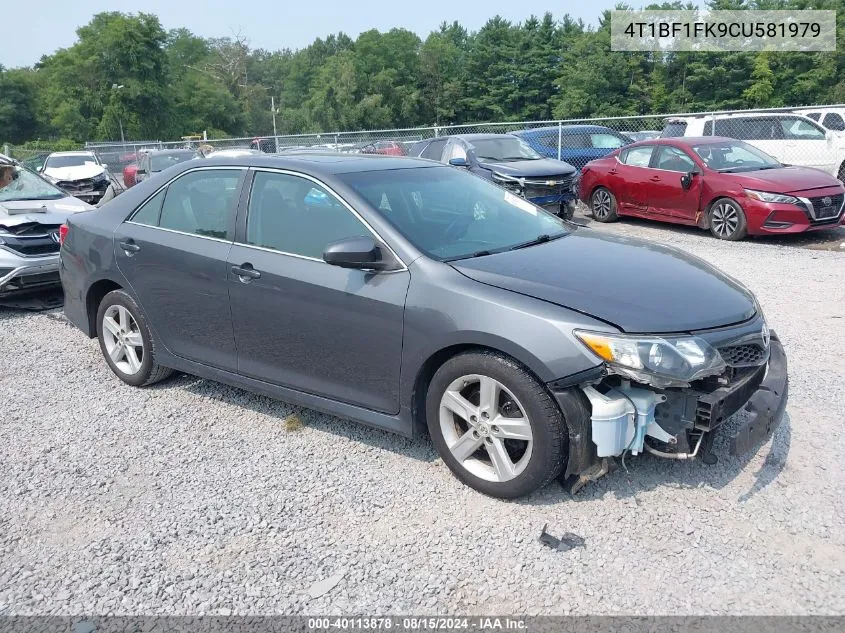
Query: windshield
{"points": [[29, 186], [734, 156], [505, 148], [55, 162], [450, 214], [160, 162]]}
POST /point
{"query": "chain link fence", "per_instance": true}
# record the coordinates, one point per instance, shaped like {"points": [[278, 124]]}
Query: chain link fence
{"points": [[807, 136]]}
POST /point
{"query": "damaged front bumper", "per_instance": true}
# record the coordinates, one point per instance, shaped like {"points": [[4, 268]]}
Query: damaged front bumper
{"points": [[608, 418]]}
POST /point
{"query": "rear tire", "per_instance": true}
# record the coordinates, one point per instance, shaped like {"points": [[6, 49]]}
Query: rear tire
{"points": [[727, 220], [126, 342], [495, 425], [603, 205]]}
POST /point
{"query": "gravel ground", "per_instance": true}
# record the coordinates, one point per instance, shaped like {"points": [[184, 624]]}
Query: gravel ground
{"points": [[191, 497]]}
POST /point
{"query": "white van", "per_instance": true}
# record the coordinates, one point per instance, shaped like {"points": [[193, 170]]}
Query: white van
{"points": [[793, 139]]}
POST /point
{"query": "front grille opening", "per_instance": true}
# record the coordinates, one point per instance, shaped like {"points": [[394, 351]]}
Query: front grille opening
{"points": [[743, 355]]}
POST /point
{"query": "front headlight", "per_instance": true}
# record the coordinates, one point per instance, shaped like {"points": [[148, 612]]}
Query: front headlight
{"points": [[100, 177], [655, 360], [765, 196]]}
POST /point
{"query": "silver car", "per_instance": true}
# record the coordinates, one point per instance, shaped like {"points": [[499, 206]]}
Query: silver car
{"points": [[31, 212]]}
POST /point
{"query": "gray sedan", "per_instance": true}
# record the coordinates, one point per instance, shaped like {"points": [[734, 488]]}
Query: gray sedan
{"points": [[418, 298]]}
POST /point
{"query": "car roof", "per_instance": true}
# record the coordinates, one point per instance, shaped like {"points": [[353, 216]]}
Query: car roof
{"points": [[82, 152], [472, 137], [322, 164], [159, 152], [735, 115], [682, 140], [571, 128]]}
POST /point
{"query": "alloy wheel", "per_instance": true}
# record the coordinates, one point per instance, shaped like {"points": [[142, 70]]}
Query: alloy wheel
{"points": [[725, 219], [486, 428], [123, 340], [601, 204]]}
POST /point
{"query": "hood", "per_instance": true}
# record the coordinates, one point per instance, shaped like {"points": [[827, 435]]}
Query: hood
{"points": [[80, 172], [530, 168], [14, 212], [635, 285], [787, 179]]}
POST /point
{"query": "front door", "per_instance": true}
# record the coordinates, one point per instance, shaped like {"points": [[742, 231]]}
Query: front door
{"points": [[666, 194], [173, 251], [630, 180], [300, 322]]}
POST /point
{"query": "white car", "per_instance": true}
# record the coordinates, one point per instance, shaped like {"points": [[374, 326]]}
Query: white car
{"points": [[832, 119], [791, 138], [81, 174]]}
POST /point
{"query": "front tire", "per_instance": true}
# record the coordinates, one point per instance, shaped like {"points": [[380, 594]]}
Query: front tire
{"points": [[727, 220], [126, 342], [603, 205], [495, 425]]}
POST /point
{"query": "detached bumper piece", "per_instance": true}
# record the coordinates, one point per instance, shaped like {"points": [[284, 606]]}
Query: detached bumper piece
{"points": [[766, 406]]}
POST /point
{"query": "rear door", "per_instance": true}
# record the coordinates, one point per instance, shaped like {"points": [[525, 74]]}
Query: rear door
{"points": [[173, 252], [300, 322], [666, 195]]}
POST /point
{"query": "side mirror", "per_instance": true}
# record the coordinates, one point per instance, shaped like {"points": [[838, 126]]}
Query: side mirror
{"points": [[686, 179], [104, 166], [362, 253], [458, 162]]}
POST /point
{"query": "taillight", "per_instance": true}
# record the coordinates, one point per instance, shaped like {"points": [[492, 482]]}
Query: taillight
{"points": [[63, 229]]}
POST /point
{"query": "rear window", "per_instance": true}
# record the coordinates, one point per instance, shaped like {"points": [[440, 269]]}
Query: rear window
{"points": [[637, 156], [673, 129]]}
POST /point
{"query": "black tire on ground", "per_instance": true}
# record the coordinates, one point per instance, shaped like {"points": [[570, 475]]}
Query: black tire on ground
{"points": [[150, 372], [603, 205], [727, 220], [548, 428]]}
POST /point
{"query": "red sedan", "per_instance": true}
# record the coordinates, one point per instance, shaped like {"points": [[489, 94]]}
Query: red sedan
{"points": [[712, 182], [386, 148]]}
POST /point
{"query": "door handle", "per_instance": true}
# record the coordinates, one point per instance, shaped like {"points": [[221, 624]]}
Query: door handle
{"points": [[129, 247], [246, 272], [654, 178]]}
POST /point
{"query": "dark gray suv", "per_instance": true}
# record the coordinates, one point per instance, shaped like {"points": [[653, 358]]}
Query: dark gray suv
{"points": [[410, 296]]}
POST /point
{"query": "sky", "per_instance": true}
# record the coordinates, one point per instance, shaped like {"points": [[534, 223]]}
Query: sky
{"points": [[268, 24]]}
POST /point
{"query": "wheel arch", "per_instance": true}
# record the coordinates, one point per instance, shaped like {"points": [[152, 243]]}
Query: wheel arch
{"points": [[436, 360], [94, 297]]}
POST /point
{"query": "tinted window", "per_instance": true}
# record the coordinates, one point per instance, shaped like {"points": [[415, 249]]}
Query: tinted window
{"points": [[673, 159], [833, 121], [603, 140], [449, 214], [708, 128], [149, 211], [638, 156], [574, 141], [814, 115], [201, 202], [295, 215], [434, 149], [750, 129], [675, 128]]}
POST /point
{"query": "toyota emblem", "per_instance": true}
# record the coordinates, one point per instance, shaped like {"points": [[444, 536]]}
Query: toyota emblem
{"points": [[54, 235], [827, 201], [767, 337]]}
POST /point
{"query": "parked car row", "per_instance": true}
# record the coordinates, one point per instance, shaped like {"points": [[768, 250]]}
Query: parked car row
{"points": [[408, 295]]}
